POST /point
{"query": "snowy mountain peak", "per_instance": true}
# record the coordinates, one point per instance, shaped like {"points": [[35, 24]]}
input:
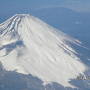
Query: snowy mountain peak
{"points": [[31, 46], [9, 29]]}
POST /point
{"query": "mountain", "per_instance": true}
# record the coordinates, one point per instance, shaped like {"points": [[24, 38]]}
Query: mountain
{"points": [[31, 47], [75, 24]]}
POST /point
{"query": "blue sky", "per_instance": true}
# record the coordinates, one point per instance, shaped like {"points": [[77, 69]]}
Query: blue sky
{"points": [[11, 7]]}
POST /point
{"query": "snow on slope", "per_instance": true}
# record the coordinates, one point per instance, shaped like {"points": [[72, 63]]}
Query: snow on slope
{"points": [[30, 46]]}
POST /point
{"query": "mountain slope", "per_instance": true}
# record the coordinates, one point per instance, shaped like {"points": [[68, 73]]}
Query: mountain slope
{"points": [[30, 46]]}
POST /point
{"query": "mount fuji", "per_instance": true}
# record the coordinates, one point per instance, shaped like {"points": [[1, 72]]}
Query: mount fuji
{"points": [[29, 46]]}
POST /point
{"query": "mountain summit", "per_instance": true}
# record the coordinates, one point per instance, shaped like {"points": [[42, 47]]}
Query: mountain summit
{"points": [[30, 46]]}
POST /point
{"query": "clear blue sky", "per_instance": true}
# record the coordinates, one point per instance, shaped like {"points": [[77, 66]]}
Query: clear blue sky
{"points": [[11, 7]]}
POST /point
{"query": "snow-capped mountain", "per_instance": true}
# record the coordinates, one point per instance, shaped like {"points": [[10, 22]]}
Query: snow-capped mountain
{"points": [[30, 46]]}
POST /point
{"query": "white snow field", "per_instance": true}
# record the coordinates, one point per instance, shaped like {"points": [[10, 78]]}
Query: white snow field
{"points": [[30, 46]]}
